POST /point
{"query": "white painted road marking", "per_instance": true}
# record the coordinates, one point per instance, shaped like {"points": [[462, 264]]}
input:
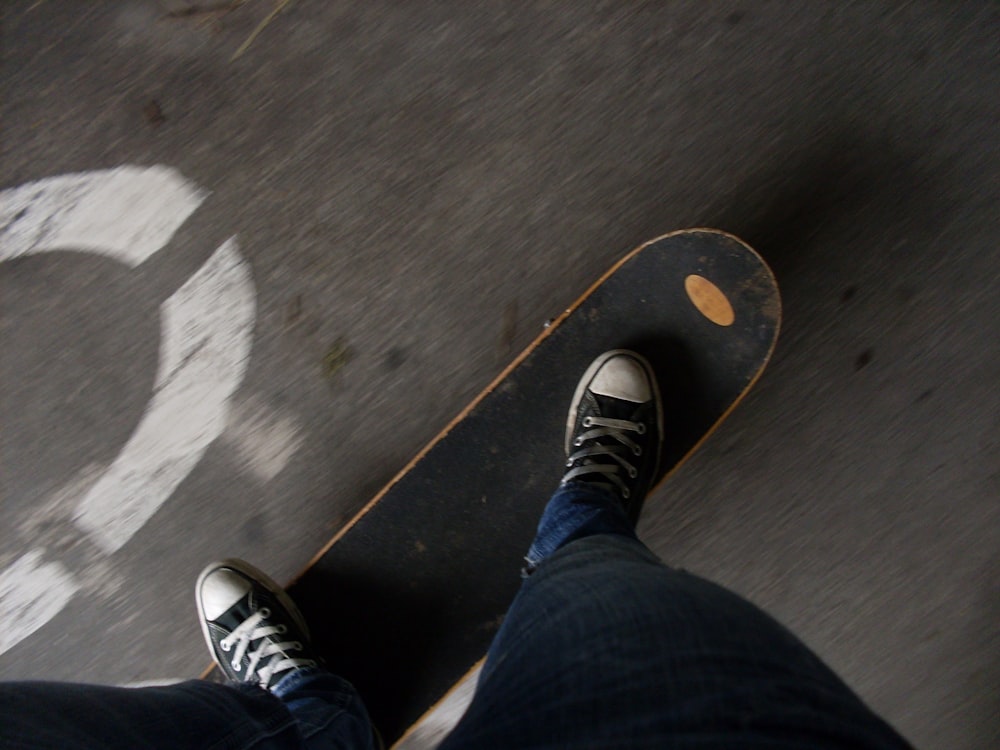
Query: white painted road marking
{"points": [[128, 214], [205, 348], [262, 440], [32, 592]]}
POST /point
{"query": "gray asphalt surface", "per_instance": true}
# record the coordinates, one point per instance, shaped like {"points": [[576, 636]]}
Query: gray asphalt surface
{"points": [[417, 187]]}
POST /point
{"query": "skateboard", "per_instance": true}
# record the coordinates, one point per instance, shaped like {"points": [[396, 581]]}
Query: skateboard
{"points": [[408, 595]]}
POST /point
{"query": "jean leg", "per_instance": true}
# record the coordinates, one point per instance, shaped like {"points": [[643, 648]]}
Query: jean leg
{"points": [[327, 709], [576, 510], [604, 646], [193, 714]]}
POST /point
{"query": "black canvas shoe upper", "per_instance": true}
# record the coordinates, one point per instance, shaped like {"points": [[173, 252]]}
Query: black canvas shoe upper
{"points": [[614, 429]]}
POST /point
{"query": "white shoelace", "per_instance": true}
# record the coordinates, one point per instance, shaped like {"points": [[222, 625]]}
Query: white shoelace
{"points": [[591, 454], [271, 654]]}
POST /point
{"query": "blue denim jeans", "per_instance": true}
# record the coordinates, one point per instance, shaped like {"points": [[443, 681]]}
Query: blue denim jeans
{"points": [[604, 646], [312, 709]]}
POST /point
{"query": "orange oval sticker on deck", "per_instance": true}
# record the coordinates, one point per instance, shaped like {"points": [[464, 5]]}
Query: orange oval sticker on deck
{"points": [[709, 300]]}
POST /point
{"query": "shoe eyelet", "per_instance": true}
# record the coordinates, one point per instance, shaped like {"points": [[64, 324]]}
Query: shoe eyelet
{"points": [[587, 421], [641, 429], [578, 442], [282, 629], [637, 451], [265, 612], [626, 494], [235, 665], [225, 646], [632, 472], [569, 464], [296, 646]]}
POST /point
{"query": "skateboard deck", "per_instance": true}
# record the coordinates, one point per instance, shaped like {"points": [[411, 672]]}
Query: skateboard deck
{"points": [[406, 598]]}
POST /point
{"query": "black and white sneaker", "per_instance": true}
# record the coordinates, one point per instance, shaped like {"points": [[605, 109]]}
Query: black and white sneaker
{"points": [[254, 630], [614, 432]]}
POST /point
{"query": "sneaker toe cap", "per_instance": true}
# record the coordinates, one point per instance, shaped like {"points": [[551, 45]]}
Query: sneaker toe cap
{"points": [[622, 378], [220, 590]]}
